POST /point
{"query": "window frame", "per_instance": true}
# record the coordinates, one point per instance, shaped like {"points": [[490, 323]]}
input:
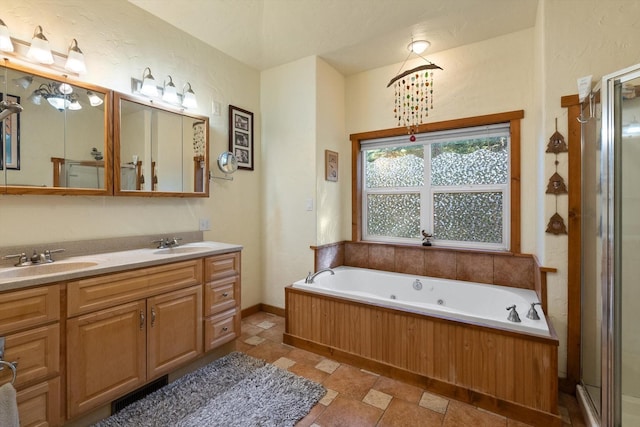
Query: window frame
{"points": [[513, 118]]}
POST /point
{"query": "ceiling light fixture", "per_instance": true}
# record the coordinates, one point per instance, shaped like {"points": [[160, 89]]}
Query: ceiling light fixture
{"points": [[418, 46], [75, 59], [149, 87], [170, 93], [51, 92], [39, 50], [189, 97], [6, 45]]}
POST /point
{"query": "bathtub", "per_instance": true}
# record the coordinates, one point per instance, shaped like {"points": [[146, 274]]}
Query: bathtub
{"points": [[454, 299], [450, 337]]}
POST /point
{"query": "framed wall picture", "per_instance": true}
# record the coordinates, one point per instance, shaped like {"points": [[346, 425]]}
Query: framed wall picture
{"points": [[10, 133], [331, 165], [241, 136]]}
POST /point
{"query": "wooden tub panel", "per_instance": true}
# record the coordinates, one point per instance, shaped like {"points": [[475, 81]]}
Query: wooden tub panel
{"points": [[509, 366]]}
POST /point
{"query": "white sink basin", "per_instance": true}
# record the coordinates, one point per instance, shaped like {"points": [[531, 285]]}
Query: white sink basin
{"points": [[180, 250], [37, 270]]}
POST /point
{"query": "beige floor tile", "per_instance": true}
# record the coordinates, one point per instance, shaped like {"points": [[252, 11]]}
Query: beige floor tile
{"points": [[378, 399], [328, 397], [284, 363], [434, 402], [266, 324], [328, 366], [255, 340]]}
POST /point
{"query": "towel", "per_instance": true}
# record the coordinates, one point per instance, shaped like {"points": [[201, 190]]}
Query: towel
{"points": [[8, 406]]}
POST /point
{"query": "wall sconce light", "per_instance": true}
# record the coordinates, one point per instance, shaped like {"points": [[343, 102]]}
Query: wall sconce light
{"points": [[5, 38], [149, 87], [94, 99], [75, 59], [170, 93], [39, 50], [189, 97]]}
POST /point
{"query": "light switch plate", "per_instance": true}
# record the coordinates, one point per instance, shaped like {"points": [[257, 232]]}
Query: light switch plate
{"points": [[205, 224]]}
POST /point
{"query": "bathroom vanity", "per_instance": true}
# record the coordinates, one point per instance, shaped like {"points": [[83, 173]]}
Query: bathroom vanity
{"points": [[88, 334]]}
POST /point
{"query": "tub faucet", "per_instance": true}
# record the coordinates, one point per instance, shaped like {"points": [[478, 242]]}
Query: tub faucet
{"points": [[312, 276], [533, 314], [513, 314]]}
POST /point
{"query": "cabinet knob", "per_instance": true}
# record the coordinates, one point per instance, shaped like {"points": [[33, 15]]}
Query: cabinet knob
{"points": [[141, 319], [225, 294], [225, 329]]}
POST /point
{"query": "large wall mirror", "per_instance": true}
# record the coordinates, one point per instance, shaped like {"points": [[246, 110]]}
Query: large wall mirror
{"points": [[59, 142], [159, 151]]}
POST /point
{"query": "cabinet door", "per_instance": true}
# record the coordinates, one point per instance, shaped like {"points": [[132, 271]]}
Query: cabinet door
{"points": [[37, 352], [39, 405], [105, 355], [174, 329]]}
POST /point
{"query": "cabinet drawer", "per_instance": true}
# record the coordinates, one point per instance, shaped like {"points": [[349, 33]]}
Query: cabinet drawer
{"points": [[29, 307], [40, 405], [96, 293], [219, 329], [219, 266], [220, 295], [37, 352]]}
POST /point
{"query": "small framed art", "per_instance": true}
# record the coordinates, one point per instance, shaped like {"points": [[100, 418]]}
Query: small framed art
{"points": [[331, 165], [241, 136]]}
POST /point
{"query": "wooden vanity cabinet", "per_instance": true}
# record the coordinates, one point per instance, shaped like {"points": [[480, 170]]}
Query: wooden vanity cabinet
{"points": [[148, 325], [221, 299], [30, 324]]}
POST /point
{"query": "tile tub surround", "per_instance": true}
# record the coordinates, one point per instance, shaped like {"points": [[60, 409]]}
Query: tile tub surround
{"points": [[380, 400], [497, 268]]}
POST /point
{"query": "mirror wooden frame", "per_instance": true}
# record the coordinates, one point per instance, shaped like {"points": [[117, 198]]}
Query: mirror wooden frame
{"points": [[117, 159], [106, 149]]}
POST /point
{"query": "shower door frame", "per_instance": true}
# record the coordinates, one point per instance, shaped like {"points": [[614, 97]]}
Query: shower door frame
{"points": [[610, 172]]}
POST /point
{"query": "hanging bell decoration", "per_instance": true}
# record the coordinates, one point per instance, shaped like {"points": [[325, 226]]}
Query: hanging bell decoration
{"points": [[556, 225], [556, 185]]}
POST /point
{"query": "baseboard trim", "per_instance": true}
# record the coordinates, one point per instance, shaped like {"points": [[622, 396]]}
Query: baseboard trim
{"points": [[262, 307]]}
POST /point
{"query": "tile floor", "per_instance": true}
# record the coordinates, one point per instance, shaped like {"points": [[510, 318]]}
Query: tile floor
{"points": [[359, 398]]}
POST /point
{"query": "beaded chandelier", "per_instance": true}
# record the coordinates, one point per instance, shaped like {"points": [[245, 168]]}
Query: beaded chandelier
{"points": [[413, 91]]}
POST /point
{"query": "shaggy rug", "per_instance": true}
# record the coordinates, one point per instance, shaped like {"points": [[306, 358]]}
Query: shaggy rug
{"points": [[235, 390]]}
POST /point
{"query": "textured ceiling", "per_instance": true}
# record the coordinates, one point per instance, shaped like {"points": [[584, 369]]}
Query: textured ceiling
{"points": [[351, 35]]}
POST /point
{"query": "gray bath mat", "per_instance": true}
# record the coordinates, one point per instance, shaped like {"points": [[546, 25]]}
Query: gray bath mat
{"points": [[235, 390]]}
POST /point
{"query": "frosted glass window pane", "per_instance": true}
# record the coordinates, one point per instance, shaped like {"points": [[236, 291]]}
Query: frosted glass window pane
{"points": [[393, 215], [468, 217], [394, 167], [467, 162]]}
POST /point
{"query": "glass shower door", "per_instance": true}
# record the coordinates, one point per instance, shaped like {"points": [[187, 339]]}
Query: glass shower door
{"points": [[620, 260]]}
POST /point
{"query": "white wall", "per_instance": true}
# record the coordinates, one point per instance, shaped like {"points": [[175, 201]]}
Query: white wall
{"points": [[119, 40], [289, 155]]}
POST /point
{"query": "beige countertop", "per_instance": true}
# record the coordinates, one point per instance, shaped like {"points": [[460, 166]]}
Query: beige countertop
{"points": [[77, 267]]}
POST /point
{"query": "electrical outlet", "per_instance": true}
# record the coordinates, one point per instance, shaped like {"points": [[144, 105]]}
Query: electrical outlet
{"points": [[216, 108], [204, 224]]}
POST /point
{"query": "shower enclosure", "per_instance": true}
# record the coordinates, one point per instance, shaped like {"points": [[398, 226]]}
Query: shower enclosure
{"points": [[610, 340]]}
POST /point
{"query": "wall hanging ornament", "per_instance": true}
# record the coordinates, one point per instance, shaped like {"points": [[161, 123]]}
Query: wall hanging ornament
{"points": [[556, 184], [413, 90]]}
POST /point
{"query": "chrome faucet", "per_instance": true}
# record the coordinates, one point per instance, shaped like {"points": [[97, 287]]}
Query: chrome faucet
{"points": [[166, 243], [513, 314], [533, 314], [312, 276], [36, 258]]}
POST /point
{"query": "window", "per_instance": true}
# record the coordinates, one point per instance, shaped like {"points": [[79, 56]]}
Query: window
{"points": [[454, 183]]}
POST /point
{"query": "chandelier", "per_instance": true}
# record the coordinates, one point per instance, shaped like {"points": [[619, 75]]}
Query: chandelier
{"points": [[413, 90]]}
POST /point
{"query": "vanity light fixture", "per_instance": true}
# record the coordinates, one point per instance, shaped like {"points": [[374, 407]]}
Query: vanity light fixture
{"points": [[24, 81], [149, 87], [170, 93], [189, 97], [39, 50], [75, 59], [6, 45], [94, 99], [75, 104]]}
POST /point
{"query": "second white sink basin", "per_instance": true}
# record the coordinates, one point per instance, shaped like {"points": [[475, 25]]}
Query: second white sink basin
{"points": [[39, 269]]}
